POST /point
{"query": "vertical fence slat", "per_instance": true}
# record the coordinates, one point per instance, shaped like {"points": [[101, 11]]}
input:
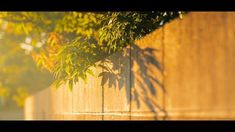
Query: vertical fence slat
{"points": [[67, 103], [29, 109], [116, 84], [230, 62], [180, 65], [87, 97], [147, 88]]}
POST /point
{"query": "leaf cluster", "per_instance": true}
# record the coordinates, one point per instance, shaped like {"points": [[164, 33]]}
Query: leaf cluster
{"points": [[72, 42]]}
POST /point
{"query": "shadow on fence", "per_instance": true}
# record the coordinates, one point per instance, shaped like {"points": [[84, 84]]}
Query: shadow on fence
{"points": [[132, 67]]}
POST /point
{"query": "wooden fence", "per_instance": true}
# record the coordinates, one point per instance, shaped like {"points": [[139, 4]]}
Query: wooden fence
{"points": [[184, 70]]}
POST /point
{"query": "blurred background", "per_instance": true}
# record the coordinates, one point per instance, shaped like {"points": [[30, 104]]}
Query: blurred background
{"points": [[19, 75]]}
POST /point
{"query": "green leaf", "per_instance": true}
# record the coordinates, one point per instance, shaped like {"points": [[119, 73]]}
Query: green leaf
{"points": [[90, 72], [71, 85]]}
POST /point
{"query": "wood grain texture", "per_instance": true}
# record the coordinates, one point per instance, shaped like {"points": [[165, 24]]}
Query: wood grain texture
{"points": [[67, 103], [196, 69], [180, 65], [87, 97], [230, 62], [116, 83], [147, 74]]}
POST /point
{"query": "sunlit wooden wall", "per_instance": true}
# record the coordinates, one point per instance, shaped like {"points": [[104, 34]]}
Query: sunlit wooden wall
{"points": [[184, 70]]}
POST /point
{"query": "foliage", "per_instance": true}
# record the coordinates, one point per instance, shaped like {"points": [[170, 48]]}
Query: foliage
{"points": [[69, 43], [4, 92], [18, 71], [20, 97]]}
